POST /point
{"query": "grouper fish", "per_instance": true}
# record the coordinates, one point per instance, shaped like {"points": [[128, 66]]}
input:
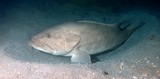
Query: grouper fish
{"points": [[80, 39]]}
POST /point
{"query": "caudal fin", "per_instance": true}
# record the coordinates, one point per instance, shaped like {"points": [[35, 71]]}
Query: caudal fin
{"points": [[128, 30], [133, 27]]}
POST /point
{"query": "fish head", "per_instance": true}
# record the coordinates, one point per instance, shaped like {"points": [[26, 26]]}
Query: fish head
{"points": [[54, 43]]}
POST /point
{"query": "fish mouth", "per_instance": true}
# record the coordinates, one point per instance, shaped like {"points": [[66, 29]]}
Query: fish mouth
{"points": [[39, 45]]}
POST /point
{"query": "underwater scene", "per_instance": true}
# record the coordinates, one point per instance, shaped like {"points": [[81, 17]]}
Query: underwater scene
{"points": [[79, 39]]}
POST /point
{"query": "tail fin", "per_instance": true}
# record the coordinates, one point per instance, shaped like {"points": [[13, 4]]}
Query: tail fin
{"points": [[128, 30], [135, 26]]}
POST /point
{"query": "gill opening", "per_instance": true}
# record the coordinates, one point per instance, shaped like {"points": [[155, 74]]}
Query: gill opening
{"points": [[74, 46]]}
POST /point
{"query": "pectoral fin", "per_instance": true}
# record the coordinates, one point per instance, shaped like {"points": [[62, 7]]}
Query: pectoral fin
{"points": [[81, 57]]}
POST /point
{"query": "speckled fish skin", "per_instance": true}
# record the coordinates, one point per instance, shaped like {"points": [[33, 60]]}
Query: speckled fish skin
{"points": [[81, 39]]}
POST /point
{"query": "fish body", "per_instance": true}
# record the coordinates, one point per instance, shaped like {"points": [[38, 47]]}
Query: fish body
{"points": [[82, 39]]}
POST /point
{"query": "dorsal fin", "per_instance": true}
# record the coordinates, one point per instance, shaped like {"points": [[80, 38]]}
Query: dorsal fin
{"points": [[123, 25], [86, 21], [93, 22]]}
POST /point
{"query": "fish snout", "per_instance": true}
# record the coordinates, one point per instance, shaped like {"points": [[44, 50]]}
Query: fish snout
{"points": [[40, 45], [31, 41]]}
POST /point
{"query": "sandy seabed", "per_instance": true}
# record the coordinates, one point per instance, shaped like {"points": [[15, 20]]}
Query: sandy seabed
{"points": [[137, 58]]}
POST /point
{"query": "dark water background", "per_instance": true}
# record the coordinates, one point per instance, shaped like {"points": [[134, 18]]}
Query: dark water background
{"points": [[117, 5], [21, 19]]}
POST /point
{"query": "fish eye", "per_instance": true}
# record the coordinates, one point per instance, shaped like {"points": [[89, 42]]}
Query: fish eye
{"points": [[48, 35]]}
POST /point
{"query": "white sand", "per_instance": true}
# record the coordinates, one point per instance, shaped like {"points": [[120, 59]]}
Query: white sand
{"points": [[138, 58]]}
